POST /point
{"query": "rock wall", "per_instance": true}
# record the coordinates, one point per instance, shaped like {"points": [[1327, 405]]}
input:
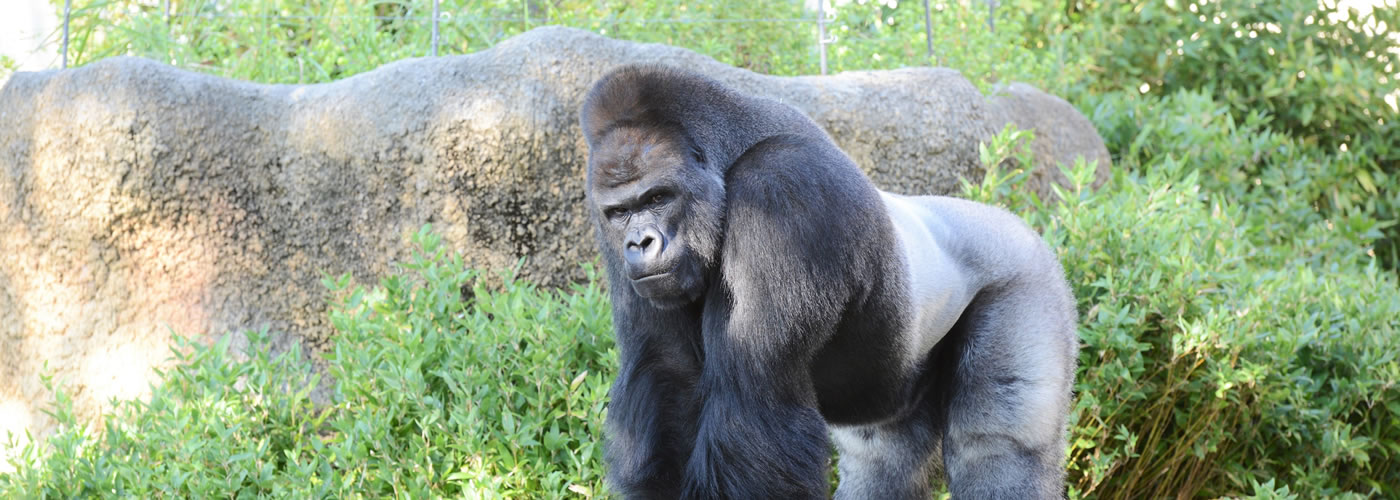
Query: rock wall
{"points": [[136, 198]]}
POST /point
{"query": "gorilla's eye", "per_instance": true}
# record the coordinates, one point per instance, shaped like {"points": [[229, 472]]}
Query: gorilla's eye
{"points": [[698, 154], [655, 199], [614, 213]]}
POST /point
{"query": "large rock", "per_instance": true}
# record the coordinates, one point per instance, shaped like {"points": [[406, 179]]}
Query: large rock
{"points": [[136, 198]]}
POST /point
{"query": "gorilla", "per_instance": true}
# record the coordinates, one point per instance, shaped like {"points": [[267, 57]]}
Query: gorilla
{"points": [[767, 298]]}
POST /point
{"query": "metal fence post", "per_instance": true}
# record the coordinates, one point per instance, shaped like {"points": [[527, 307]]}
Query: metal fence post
{"points": [[821, 32], [991, 15], [169, 47], [928, 29], [67, 14], [435, 27]]}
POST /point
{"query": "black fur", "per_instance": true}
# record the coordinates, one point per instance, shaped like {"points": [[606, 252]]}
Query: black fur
{"points": [[758, 289]]}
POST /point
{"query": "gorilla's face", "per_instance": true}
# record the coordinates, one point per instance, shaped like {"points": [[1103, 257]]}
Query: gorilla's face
{"points": [[660, 211]]}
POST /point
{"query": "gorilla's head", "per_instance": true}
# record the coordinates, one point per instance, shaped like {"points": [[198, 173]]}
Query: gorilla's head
{"points": [[659, 210]]}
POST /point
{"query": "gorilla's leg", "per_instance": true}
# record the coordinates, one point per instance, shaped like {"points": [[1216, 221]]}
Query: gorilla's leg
{"points": [[890, 460], [1006, 417]]}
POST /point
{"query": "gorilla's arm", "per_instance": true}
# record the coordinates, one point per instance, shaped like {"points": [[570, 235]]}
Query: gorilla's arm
{"points": [[652, 415], [760, 433], [791, 265]]}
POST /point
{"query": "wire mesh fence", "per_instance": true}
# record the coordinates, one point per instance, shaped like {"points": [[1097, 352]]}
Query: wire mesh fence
{"points": [[434, 16]]}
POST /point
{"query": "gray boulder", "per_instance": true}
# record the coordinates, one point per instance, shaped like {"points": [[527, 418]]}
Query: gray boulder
{"points": [[136, 198]]}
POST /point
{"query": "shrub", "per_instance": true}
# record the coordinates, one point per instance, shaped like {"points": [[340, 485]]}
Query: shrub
{"points": [[1305, 77], [1218, 361], [1319, 70], [439, 391], [499, 395]]}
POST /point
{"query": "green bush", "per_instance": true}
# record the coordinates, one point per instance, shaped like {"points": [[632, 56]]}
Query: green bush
{"points": [[1225, 352], [439, 391], [498, 394], [1319, 80], [1311, 77], [1287, 185]]}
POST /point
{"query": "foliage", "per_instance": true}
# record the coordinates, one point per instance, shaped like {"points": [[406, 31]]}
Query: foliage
{"points": [[979, 41], [284, 41], [7, 66], [1287, 184], [1232, 343], [439, 391], [1320, 72], [1315, 75]]}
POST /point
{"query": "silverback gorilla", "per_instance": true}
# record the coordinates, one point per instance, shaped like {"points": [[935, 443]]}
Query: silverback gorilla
{"points": [[766, 295]]}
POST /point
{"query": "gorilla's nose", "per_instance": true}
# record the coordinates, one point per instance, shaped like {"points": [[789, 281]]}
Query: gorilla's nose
{"points": [[644, 248]]}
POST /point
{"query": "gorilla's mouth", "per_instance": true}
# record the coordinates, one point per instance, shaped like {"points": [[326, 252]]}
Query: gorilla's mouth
{"points": [[655, 285]]}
